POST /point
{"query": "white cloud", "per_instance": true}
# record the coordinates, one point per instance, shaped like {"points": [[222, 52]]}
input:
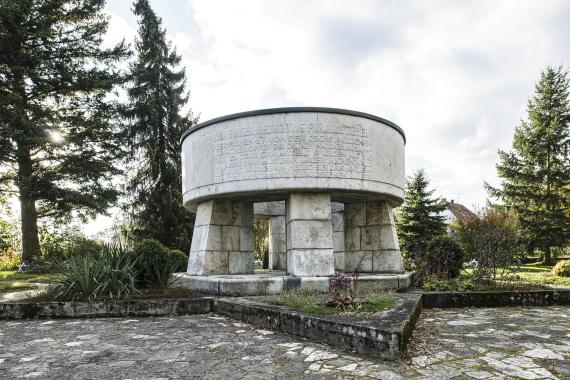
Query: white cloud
{"points": [[455, 75]]}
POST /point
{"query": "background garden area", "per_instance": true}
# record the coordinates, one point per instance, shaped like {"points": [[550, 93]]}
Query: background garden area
{"points": [[112, 144]]}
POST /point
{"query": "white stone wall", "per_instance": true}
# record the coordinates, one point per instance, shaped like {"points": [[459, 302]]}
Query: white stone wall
{"points": [[259, 157], [309, 235], [222, 242]]}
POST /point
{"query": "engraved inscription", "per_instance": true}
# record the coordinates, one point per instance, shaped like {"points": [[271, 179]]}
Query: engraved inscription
{"points": [[281, 150]]}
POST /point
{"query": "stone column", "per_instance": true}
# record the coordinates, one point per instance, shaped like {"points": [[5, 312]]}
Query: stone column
{"points": [[338, 239], [222, 242], [277, 243], [371, 242], [309, 235]]}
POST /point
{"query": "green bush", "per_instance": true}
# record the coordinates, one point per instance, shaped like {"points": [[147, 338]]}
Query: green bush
{"points": [[9, 259], [493, 241], [443, 257], [106, 274], [180, 258], [456, 285], [562, 268], [155, 264], [60, 245]]}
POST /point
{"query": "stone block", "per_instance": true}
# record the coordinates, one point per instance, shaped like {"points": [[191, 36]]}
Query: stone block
{"points": [[360, 261], [240, 262], [352, 239], [246, 239], [230, 238], [198, 238], [354, 214], [203, 213], [310, 262], [195, 260], [222, 212], [339, 265], [308, 206], [208, 262], [278, 260], [338, 241], [242, 213], [370, 237], [277, 225], [387, 261], [307, 234], [338, 221], [213, 237], [389, 237]]}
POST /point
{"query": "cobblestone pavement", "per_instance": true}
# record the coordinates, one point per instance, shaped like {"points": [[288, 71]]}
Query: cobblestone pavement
{"points": [[529, 343]]}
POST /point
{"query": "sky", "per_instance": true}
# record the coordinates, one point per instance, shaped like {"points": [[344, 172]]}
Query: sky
{"points": [[455, 75]]}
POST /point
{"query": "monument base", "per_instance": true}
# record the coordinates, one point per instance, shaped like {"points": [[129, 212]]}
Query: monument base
{"points": [[274, 282]]}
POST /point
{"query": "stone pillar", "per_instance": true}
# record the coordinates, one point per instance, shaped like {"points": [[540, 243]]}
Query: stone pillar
{"points": [[371, 242], [277, 243], [222, 242], [309, 235], [338, 239]]}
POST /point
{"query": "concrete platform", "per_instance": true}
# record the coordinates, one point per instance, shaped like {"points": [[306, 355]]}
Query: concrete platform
{"points": [[274, 282]]}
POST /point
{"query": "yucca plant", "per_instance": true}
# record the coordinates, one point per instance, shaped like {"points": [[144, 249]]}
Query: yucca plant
{"points": [[106, 274]]}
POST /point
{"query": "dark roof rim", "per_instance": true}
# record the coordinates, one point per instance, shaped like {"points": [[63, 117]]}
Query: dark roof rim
{"points": [[268, 111]]}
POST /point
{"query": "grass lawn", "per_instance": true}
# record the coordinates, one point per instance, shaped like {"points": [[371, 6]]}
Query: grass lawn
{"points": [[540, 274], [12, 280], [315, 302]]}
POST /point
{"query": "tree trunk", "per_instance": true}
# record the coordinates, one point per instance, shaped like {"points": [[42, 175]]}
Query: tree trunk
{"points": [[29, 215], [547, 256]]}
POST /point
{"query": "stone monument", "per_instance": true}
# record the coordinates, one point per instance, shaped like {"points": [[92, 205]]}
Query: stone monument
{"points": [[326, 178]]}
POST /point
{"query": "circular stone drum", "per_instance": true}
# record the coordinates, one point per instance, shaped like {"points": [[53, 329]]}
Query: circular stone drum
{"points": [[307, 156]]}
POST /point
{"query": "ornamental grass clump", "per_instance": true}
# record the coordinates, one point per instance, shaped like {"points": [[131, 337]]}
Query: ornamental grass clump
{"points": [[106, 274]]}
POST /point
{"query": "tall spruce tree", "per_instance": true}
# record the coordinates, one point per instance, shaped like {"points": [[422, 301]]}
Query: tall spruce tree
{"points": [[419, 218], [157, 95], [58, 138], [535, 175]]}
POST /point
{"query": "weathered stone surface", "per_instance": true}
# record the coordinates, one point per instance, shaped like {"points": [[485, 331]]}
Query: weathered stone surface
{"points": [[309, 235], [222, 242], [273, 282], [219, 347], [277, 243], [371, 243], [272, 155]]}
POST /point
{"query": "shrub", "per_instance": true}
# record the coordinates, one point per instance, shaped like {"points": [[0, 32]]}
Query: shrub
{"points": [[562, 268], [454, 285], [443, 257], [180, 258], [108, 273], [155, 264], [493, 240], [60, 245], [9, 259]]}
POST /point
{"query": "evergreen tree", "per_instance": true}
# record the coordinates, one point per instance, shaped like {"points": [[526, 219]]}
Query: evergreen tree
{"points": [[157, 96], [420, 217], [536, 173], [58, 138]]}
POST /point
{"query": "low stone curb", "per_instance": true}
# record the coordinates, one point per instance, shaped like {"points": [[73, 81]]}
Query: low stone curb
{"points": [[385, 336], [99, 309], [496, 299]]}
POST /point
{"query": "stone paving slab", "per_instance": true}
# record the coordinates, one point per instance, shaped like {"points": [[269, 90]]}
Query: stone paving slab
{"points": [[528, 343]]}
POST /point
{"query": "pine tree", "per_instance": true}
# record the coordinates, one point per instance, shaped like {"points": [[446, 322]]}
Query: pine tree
{"points": [[58, 137], [157, 95], [535, 175], [420, 217]]}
